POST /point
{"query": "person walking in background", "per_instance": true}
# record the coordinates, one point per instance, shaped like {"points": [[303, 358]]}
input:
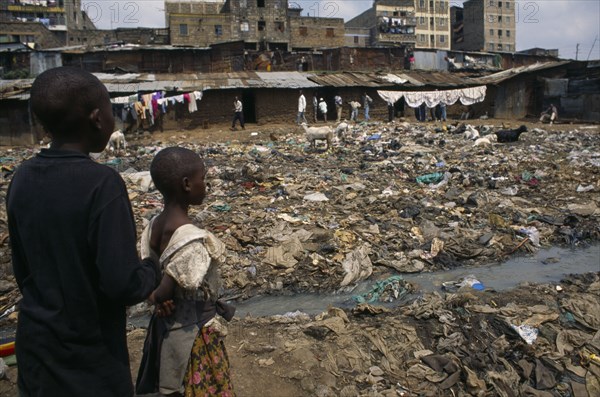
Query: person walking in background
{"points": [[74, 255], [315, 106], [301, 109], [339, 104], [238, 114], [323, 109], [366, 104]]}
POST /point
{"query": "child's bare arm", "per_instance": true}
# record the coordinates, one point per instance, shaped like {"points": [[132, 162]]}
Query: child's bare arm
{"points": [[164, 291]]}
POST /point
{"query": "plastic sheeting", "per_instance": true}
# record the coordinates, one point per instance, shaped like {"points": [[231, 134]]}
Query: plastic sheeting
{"points": [[466, 96]]}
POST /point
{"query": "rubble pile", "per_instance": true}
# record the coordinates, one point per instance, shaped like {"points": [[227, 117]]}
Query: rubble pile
{"points": [[387, 199], [391, 198], [534, 341]]}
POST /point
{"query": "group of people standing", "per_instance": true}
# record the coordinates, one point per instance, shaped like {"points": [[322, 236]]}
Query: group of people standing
{"points": [[320, 108]]}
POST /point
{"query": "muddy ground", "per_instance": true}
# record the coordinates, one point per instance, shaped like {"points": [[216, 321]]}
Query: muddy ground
{"points": [[297, 219]]}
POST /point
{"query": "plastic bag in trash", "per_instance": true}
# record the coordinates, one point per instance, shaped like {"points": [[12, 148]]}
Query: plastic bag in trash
{"points": [[532, 233], [527, 332], [436, 177]]}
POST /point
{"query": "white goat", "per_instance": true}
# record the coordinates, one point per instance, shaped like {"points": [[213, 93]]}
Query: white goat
{"points": [[117, 142], [314, 134], [471, 132], [342, 129], [485, 141]]}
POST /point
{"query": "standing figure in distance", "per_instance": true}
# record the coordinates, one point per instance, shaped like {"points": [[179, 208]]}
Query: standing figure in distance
{"points": [[366, 104], [301, 109], [238, 114], [323, 109], [339, 104]]}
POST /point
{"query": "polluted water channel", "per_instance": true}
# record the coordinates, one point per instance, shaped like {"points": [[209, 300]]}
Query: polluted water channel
{"points": [[546, 266]]}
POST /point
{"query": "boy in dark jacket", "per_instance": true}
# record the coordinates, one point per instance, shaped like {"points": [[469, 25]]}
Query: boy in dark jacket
{"points": [[73, 242]]}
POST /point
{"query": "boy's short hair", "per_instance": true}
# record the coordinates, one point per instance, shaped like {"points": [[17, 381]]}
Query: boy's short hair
{"points": [[63, 97], [171, 165]]}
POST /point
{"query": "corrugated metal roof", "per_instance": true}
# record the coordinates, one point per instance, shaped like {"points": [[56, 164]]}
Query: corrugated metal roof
{"points": [[413, 78], [510, 73]]}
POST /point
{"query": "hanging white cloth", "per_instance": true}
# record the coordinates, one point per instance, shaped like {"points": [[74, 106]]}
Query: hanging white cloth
{"points": [[467, 96]]}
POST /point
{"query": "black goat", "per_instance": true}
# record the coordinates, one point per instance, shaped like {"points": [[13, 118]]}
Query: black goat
{"points": [[505, 136]]}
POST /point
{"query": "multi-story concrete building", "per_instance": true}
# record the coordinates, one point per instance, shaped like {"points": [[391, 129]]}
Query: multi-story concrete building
{"points": [[261, 24], [59, 17], [487, 25], [433, 24], [410, 23], [387, 23]]}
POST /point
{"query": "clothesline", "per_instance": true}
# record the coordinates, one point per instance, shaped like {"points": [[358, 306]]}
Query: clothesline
{"points": [[146, 100], [467, 96]]}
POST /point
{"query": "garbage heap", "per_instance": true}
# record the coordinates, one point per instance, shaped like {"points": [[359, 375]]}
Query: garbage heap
{"points": [[388, 198], [537, 340]]}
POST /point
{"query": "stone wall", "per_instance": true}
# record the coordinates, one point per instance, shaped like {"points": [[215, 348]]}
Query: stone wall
{"points": [[28, 32], [308, 32]]}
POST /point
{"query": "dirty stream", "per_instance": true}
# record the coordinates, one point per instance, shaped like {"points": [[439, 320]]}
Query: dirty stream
{"points": [[546, 266]]}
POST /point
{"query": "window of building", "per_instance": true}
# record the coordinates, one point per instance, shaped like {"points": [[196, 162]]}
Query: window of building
{"points": [[432, 39], [431, 21], [499, 32], [442, 21], [244, 27], [491, 2], [491, 19], [422, 20], [431, 5], [422, 38], [508, 33], [442, 38], [499, 18], [329, 32], [508, 47], [507, 19], [260, 3], [243, 3], [421, 3], [499, 47], [395, 13], [491, 32], [261, 26], [499, 4], [303, 31], [279, 26], [491, 46], [355, 39], [183, 30], [507, 5], [218, 30]]}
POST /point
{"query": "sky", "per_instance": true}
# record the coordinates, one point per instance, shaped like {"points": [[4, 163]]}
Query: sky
{"points": [[572, 26]]}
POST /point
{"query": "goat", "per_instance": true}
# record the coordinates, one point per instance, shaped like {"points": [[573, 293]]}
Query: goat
{"points": [[341, 129], [471, 132], [117, 142], [314, 134], [506, 136]]}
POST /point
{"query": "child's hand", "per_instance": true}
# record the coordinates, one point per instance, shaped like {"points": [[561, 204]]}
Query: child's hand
{"points": [[164, 309]]}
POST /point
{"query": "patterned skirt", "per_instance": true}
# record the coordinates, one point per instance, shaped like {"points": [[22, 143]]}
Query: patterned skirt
{"points": [[207, 373]]}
